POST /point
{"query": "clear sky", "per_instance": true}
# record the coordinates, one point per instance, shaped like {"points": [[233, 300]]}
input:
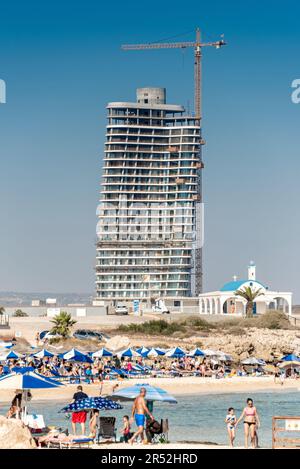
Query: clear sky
{"points": [[62, 63]]}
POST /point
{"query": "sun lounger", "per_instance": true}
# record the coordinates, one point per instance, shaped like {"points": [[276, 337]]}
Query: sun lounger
{"points": [[69, 442], [107, 428]]}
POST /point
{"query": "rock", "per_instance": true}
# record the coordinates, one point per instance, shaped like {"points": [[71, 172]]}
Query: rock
{"points": [[118, 342], [262, 343], [14, 435]]}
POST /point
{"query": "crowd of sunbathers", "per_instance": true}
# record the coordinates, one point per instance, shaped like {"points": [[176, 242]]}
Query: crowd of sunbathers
{"points": [[121, 368]]}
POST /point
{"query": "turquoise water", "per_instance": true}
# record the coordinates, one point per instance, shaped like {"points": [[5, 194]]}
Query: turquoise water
{"points": [[197, 418]]}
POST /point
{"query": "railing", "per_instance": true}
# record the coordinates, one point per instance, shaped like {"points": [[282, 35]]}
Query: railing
{"points": [[286, 432]]}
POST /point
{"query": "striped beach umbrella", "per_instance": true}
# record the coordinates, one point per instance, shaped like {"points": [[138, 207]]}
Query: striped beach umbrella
{"points": [[154, 352], [76, 356], [103, 352], [130, 353], [176, 352], [142, 350], [196, 353], [290, 358], [43, 353], [152, 393], [11, 355], [29, 380]]}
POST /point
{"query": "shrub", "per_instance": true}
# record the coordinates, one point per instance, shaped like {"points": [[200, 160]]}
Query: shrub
{"points": [[273, 320], [199, 324], [20, 314], [160, 327]]}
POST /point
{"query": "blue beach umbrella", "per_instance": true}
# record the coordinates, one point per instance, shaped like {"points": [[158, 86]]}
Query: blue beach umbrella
{"points": [[142, 350], [196, 353], [290, 358], [29, 380], [130, 353], [91, 403], [11, 355], [43, 353], [103, 352], [76, 356], [22, 369], [175, 352], [152, 393], [154, 352]]}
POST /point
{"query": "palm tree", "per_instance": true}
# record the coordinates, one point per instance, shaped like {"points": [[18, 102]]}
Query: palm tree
{"points": [[249, 295], [62, 324], [2, 310]]}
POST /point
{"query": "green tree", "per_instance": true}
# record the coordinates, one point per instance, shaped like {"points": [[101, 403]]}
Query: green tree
{"points": [[249, 295], [63, 323], [2, 310]]}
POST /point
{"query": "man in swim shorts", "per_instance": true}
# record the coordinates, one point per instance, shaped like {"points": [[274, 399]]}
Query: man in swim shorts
{"points": [[138, 414]]}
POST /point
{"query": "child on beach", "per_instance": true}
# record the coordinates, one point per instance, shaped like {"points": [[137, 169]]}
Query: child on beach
{"points": [[231, 423], [126, 433]]}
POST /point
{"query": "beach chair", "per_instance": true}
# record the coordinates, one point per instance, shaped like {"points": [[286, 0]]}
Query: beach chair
{"points": [[36, 424], [158, 434], [107, 428]]}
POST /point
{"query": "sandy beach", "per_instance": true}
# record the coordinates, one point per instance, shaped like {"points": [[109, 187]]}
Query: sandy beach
{"points": [[177, 386]]}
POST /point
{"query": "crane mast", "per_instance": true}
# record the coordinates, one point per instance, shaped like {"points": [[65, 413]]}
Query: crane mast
{"points": [[197, 45]]}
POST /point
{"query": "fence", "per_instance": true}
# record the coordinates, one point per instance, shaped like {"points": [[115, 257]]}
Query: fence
{"points": [[286, 432]]}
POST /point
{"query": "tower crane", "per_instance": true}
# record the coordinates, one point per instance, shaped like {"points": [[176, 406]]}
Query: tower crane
{"points": [[197, 45]]}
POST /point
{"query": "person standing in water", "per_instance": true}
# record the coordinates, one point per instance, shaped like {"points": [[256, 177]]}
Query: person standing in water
{"points": [[231, 423], [139, 412], [251, 423]]}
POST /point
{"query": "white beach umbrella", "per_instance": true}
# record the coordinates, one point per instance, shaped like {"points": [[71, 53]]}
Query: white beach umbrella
{"points": [[210, 353], [224, 357]]}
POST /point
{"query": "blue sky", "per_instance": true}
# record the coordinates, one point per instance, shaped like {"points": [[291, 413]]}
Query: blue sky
{"points": [[62, 63]]}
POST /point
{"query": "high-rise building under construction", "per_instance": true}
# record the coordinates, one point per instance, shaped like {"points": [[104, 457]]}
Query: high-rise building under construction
{"points": [[149, 232]]}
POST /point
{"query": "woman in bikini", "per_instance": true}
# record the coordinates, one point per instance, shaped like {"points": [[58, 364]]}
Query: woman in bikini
{"points": [[251, 422]]}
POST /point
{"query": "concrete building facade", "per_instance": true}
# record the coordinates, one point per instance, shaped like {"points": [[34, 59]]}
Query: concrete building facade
{"points": [[149, 232]]}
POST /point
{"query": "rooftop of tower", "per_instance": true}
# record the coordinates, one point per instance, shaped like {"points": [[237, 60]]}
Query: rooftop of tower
{"points": [[149, 97]]}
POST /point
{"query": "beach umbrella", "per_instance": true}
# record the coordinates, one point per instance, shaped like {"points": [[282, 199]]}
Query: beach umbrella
{"points": [[210, 353], [29, 380], [130, 353], [252, 361], [22, 369], [154, 352], [11, 355], [287, 364], [290, 358], [92, 403], [224, 357], [142, 350], [175, 352], [76, 356], [103, 352], [196, 353], [6, 345], [43, 353], [26, 381], [153, 393]]}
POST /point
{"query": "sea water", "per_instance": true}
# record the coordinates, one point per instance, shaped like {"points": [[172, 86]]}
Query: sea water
{"points": [[195, 418]]}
